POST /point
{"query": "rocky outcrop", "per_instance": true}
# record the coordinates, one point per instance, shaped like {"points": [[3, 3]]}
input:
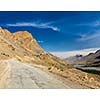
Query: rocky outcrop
{"points": [[25, 40]]}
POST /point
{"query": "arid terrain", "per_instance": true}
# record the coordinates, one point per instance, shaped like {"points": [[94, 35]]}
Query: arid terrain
{"points": [[24, 64], [19, 75]]}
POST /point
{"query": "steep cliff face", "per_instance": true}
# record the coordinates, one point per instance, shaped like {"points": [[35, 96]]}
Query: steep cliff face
{"points": [[21, 38], [5, 33], [25, 40]]}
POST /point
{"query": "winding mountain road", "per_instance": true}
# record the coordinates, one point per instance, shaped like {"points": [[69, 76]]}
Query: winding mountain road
{"points": [[17, 75]]}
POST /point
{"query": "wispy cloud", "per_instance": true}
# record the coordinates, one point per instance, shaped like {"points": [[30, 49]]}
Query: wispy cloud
{"points": [[90, 24], [40, 41], [89, 36], [42, 25]]}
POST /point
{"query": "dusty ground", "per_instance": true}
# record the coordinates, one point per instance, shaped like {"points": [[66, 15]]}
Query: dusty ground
{"points": [[15, 74]]}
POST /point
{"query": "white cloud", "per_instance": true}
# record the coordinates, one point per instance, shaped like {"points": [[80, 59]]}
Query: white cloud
{"points": [[67, 54], [91, 24], [96, 23], [89, 36], [40, 41], [36, 24]]}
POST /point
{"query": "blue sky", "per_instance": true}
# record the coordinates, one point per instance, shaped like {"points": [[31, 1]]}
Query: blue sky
{"points": [[57, 31]]}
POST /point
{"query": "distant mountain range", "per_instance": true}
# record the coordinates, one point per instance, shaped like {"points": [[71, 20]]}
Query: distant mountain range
{"points": [[92, 59], [74, 59]]}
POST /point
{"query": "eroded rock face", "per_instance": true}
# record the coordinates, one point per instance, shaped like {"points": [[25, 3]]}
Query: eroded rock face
{"points": [[5, 33], [25, 39], [22, 38]]}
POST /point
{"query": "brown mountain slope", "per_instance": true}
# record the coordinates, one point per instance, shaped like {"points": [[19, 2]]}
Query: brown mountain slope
{"points": [[23, 47]]}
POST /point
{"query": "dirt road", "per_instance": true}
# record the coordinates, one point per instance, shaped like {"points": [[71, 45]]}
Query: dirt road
{"points": [[14, 74]]}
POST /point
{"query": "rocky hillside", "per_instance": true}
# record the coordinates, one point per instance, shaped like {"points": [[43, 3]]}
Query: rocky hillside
{"points": [[24, 48]]}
